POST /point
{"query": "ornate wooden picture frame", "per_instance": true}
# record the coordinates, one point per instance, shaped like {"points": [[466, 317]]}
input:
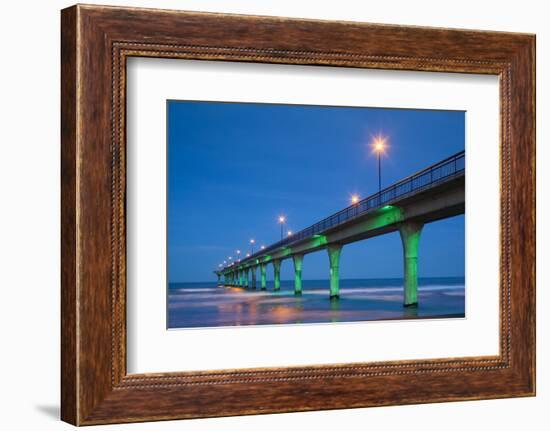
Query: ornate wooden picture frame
{"points": [[96, 41]]}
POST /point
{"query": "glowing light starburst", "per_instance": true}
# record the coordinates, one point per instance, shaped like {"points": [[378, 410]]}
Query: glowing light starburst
{"points": [[379, 144]]}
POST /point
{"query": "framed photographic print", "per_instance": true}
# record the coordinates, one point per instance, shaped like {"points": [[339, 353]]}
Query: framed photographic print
{"points": [[268, 215], [337, 150]]}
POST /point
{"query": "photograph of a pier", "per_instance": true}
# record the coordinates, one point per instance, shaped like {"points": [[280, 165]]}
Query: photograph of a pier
{"points": [[285, 214]]}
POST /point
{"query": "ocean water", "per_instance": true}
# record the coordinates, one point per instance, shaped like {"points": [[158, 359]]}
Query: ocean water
{"points": [[202, 305]]}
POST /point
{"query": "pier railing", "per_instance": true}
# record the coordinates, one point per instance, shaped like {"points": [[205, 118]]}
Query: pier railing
{"points": [[440, 172]]}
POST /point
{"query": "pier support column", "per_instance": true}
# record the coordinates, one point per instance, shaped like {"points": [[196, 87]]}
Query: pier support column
{"points": [[246, 284], [410, 237], [334, 251], [253, 283], [219, 279], [298, 259], [263, 278], [241, 278], [277, 274]]}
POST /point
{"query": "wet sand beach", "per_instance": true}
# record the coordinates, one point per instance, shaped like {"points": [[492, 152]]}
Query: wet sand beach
{"points": [[199, 305]]}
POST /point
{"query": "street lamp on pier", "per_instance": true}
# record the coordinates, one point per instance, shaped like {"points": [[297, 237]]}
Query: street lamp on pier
{"points": [[282, 221], [379, 146]]}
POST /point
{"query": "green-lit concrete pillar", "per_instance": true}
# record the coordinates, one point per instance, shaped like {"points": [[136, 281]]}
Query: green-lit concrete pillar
{"points": [[263, 278], [298, 259], [219, 279], [277, 274], [246, 277], [241, 278], [410, 237], [334, 251], [253, 283]]}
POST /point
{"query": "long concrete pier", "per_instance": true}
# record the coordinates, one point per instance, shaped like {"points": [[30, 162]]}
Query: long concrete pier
{"points": [[432, 194]]}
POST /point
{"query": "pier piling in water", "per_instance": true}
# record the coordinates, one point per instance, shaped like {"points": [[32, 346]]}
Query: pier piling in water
{"points": [[298, 259], [263, 281], [410, 237], [246, 278], [277, 274], [334, 251], [253, 283]]}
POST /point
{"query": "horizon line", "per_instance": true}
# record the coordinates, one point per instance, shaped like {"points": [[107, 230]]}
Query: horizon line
{"points": [[323, 279]]}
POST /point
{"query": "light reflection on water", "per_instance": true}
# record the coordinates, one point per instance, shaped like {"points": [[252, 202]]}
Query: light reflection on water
{"points": [[193, 305]]}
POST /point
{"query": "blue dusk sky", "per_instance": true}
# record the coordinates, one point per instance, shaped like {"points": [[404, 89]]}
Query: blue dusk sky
{"points": [[233, 168]]}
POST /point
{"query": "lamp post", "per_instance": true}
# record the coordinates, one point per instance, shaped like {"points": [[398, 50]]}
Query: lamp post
{"points": [[252, 246], [282, 220], [379, 146]]}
